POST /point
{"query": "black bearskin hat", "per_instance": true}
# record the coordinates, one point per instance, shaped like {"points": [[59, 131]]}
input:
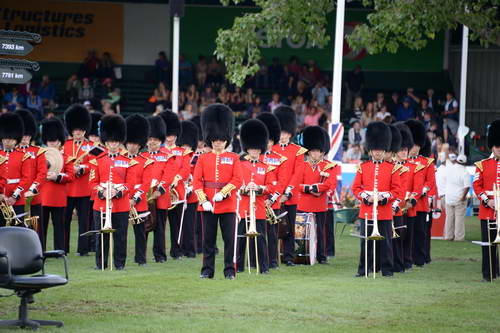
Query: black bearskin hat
{"points": [[287, 118], [425, 151], [494, 134], [77, 117], [217, 123], [172, 122], [95, 118], [406, 136], [189, 135], [254, 135], [113, 128], [53, 130], [137, 129], [273, 125], [417, 131], [197, 121], [313, 138], [157, 128], [395, 139], [30, 123], [328, 141], [378, 136], [11, 126]]}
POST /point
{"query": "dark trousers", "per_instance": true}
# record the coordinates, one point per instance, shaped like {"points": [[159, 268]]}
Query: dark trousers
{"points": [[199, 233], [383, 248], [262, 250], [119, 221], [159, 249], [397, 246], [272, 242], [57, 216], [289, 239], [36, 210], [428, 235], [407, 241], [330, 233], [91, 223], [488, 251], [174, 220], [82, 205], [140, 242], [227, 224], [420, 239], [187, 237], [18, 209], [321, 254]]}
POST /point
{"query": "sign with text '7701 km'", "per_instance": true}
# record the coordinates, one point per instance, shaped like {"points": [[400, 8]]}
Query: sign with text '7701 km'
{"points": [[17, 43]]}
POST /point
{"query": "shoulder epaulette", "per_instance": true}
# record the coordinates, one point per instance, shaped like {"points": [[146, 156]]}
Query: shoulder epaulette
{"points": [[396, 168], [403, 169], [148, 162], [330, 165], [132, 163], [271, 168], [479, 165], [27, 155], [124, 152], [430, 160], [419, 167], [3, 159], [41, 151], [359, 169], [301, 151], [93, 161], [187, 151]]}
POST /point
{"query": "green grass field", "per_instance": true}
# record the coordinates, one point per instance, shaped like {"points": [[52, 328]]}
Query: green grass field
{"points": [[445, 296]]}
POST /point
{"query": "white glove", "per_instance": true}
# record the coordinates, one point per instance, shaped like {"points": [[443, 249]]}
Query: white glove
{"points": [[218, 197], [207, 206], [189, 189]]}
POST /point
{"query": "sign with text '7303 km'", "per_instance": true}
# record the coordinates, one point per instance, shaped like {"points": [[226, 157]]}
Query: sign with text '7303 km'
{"points": [[17, 43]]}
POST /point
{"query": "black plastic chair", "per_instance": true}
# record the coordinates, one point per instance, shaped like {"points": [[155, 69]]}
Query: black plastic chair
{"points": [[20, 257]]}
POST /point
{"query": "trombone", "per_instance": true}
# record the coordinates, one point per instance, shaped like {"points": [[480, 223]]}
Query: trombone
{"points": [[251, 229]]}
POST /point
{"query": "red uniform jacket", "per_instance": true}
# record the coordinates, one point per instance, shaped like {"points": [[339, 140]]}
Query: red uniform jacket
{"points": [[276, 160], [16, 169], [192, 157], [404, 174], [487, 174], [139, 168], [382, 176], [114, 168], [79, 153], [39, 172], [261, 174], [429, 183], [54, 192], [324, 176], [218, 173], [419, 172], [161, 174], [182, 167], [291, 168]]}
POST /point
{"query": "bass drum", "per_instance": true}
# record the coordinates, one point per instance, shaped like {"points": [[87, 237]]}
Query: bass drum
{"points": [[305, 239]]}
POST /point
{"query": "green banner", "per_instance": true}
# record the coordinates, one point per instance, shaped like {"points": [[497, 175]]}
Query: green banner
{"points": [[200, 24]]}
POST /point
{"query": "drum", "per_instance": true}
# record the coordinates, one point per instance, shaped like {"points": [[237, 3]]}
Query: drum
{"points": [[305, 238]]}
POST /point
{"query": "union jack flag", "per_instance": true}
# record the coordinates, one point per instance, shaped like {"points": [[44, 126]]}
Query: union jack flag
{"points": [[336, 132]]}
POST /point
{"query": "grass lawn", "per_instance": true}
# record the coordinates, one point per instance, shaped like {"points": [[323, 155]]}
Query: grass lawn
{"points": [[445, 296]]}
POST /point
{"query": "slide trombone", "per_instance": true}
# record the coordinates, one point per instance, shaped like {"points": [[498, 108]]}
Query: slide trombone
{"points": [[251, 229]]}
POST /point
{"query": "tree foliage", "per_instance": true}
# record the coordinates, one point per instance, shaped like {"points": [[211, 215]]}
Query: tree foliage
{"points": [[392, 24]]}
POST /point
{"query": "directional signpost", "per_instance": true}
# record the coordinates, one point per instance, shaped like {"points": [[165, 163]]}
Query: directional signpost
{"points": [[17, 43]]}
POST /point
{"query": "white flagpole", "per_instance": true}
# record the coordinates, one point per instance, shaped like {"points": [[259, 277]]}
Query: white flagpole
{"points": [[337, 62]]}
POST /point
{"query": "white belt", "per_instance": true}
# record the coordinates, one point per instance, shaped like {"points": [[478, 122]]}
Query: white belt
{"points": [[13, 181], [489, 193], [115, 185], [379, 193], [137, 186]]}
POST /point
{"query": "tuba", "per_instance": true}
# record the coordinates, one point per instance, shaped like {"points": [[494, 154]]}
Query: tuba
{"points": [[10, 217]]}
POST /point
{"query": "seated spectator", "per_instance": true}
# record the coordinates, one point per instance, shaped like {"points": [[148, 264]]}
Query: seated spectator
{"points": [[237, 104], [162, 67], [303, 91], [368, 115], [88, 105], [72, 88], [356, 134], [187, 113], [450, 116], [313, 114], [275, 102], [432, 101], [86, 92], [255, 108], [405, 111], [201, 71], [424, 107], [320, 92], [384, 115], [185, 71], [24, 89], [208, 96], [13, 99], [249, 96], [193, 96], [414, 100], [393, 104], [299, 106], [34, 104], [47, 91], [223, 97], [114, 97], [107, 107], [91, 65], [353, 154], [315, 73], [427, 119], [358, 108], [379, 102], [107, 66]]}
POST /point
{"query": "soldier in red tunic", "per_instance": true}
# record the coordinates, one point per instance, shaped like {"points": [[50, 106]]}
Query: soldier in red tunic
{"points": [[39, 172], [54, 190], [317, 178], [216, 180], [200, 149], [93, 136], [137, 136], [487, 175], [377, 177], [257, 177], [275, 160], [110, 174], [291, 168], [189, 142], [78, 123], [15, 165]]}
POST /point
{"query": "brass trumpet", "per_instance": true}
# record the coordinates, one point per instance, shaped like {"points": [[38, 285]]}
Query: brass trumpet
{"points": [[136, 218], [270, 215], [9, 215]]}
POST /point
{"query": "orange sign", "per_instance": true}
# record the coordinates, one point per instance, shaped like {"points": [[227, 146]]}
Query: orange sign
{"points": [[68, 29]]}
